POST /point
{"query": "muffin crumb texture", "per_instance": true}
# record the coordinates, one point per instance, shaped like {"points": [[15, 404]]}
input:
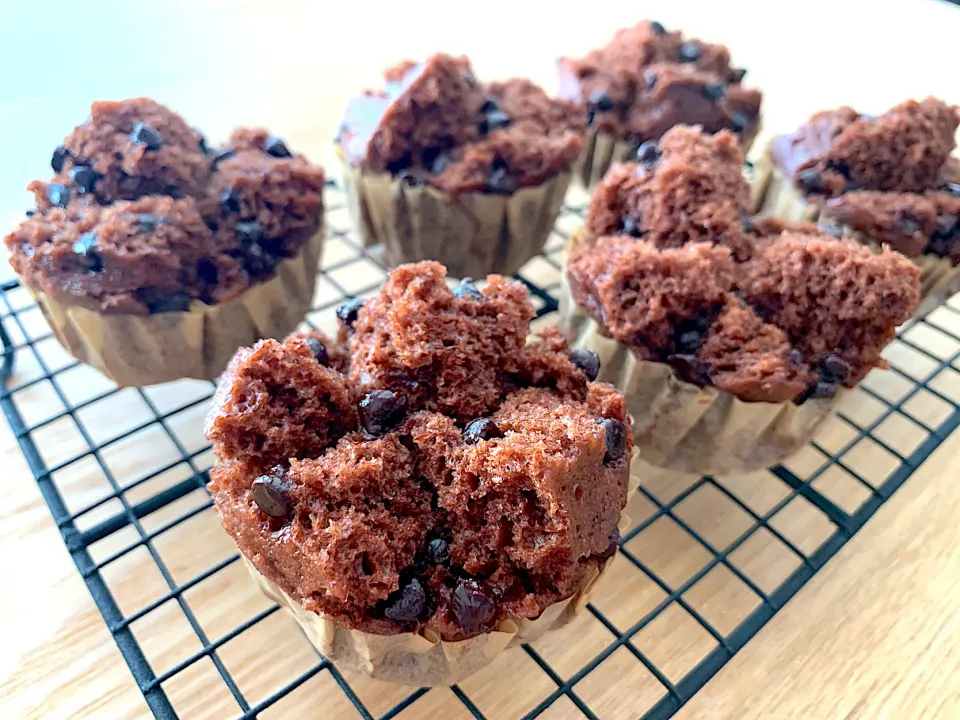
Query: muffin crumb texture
{"points": [[141, 216], [430, 469], [890, 177], [648, 79], [434, 124], [770, 311]]}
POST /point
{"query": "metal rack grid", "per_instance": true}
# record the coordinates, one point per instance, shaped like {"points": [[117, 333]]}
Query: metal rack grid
{"points": [[705, 564]]}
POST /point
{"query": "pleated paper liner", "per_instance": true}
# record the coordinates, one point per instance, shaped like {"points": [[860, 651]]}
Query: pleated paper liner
{"points": [[473, 234], [424, 659], [939, 279], [138, 350], [601, 150], [685, 427]]}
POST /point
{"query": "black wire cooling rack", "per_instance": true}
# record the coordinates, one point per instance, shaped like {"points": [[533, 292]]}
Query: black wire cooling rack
{"points": [[704, 565]]}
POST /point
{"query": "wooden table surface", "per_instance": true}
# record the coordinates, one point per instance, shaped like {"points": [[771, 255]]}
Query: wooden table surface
{"points": [[875, 634]]}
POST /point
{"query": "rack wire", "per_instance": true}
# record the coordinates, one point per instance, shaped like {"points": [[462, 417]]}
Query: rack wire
{"points": [[704, 565]]}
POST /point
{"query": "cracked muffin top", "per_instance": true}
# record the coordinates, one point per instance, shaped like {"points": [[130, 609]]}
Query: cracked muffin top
{"points": [[433, 468], [142, 216]]}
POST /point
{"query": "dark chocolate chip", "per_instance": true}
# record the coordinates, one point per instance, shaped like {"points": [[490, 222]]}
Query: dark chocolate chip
{"points": [[689, 52], [746, 222], [600, 101], [437, 552], [948, 225], [395, 167], [689, 368], [737, 75], [908, 224], [657, 28], [207, 272], [229, 201], [714, 91], [488, 105], [631, 226], [835, 369], [202, 143], [275, 147], [85, 248], [147, 136], [822, 389], [473, 606], [586, 360], [441, 163], [58, 195], [591, 116], [271, 495], [349, 312], [158, 301], [649, 152], [650, 79], [689, 342], [249, 233], [810, 181], [319, 351], [952, 189], [500, 183], [740, 121], [84, 178], [60, 156], [149, 223], [259, 263], [407, 604], [221, 155], [481, 429], [615, 438], [494, 120], [466, 290], [749, 166], [410, 178], [469, 78], [381, 410], [795, 358], [31, 213], [840, 167]]}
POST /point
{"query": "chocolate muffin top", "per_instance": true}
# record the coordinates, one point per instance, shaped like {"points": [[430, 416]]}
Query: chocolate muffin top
{"points": [[434, 123], [142, 217], [648, 79], [431, 469], [891, 176], [766, 310]]}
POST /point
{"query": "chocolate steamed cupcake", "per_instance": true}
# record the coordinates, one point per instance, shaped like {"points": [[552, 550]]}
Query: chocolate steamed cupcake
{"points": [[731, 337], [153, 256], [430, 478], [646, 80], [885, 180], [439, 166]]}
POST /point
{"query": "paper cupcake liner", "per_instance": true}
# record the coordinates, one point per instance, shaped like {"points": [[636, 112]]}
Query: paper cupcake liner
{"points": [[424, 659], [685, 427], [601, 150], [939, 278], [473, 234], [137, 350]]}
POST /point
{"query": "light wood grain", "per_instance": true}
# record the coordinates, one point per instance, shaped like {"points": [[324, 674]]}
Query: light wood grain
{"points": [[873, 635]]}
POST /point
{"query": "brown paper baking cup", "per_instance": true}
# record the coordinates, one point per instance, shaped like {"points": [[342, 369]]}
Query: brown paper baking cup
{"points": [[685, 427], [473, 234], [939, 278], [601, 150], [424, 659], [137, 350]]}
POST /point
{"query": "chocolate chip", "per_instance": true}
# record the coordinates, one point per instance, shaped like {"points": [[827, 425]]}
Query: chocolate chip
{"points": [[586, 360], [319, 351], [147, 136], [810, 181], [160, 301], [657, 28], [689, 52], [499, 182], [58, 195], [60, 156], [221, 155], [795, 358], [31, 213], [202, 143], [820, 389], [649, 152], [229, 201], [746, 222], [258, 263], [481, 429], [908, 224], [410, 178], [689, 342], [835, 369], [948, 225], [271, 495], [440, 164], [615, 438], [689, 368], [466, 290], [249, 232], [630, 226], [714, 92], [473, 606], [275, 147], [395, 167], [381, 410], [650, 79], [469, 78], [488, 105], [207, 272], [601, 101], [952, 189], [437, 552], [85, 248], [492, 117], [407, 604], [739, 121], [737, 75], [149, 223], [349, 312], [84, 178]]}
